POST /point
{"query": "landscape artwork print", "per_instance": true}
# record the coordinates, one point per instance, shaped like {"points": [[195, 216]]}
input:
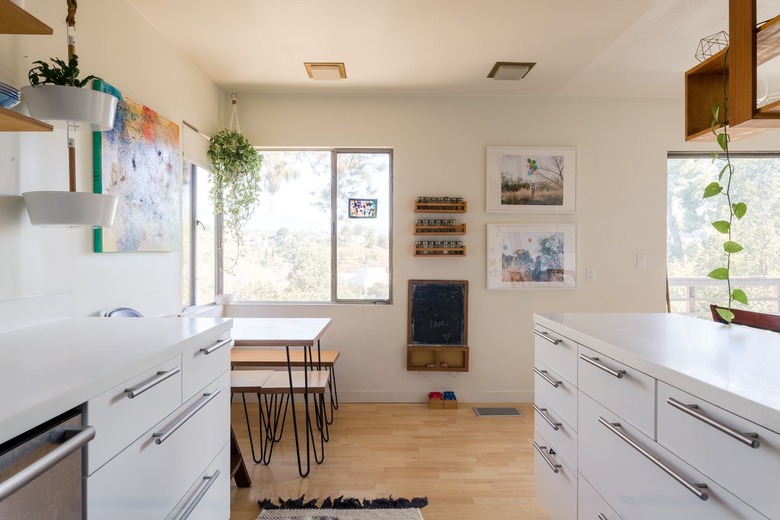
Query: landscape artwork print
{"points": [[530, 180], [541, 256], [137, 161]]}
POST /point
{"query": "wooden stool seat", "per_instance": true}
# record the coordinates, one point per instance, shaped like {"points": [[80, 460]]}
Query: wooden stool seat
{"points": [[267, 357], [249, 381], [279, 381]]}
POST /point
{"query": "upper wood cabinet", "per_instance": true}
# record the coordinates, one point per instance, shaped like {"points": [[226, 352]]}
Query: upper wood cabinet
{"points": [[736, 66], [15, 20]]}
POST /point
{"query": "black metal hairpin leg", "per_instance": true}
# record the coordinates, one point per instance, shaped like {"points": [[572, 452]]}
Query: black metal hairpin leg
{"points": [[273, 410]]}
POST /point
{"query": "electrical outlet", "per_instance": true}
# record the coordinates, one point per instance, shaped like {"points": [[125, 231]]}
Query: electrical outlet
{"points": [[590, 274], [641, 261]]}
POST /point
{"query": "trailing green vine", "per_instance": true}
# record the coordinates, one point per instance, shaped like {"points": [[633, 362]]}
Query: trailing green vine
{"points": [[737, 210], [236, 186]]}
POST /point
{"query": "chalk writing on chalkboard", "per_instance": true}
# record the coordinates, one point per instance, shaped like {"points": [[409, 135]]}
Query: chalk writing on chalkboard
{"points": [[438, 312]]}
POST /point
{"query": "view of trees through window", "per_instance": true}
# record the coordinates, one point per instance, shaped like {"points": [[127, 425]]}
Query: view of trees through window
{"points": [[301, 245], [694, 247], [198, 237]]}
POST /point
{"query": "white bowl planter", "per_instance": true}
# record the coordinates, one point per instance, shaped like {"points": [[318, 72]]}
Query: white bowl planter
{"points": [[70, 208], [61, 103]]}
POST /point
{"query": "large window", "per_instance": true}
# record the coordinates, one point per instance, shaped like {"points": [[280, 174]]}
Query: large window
{"points": [[694, 247], [303, 243]]}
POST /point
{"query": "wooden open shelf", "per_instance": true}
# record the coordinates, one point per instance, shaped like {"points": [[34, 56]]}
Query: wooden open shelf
{"points": [[457, 229], [11, 121], [15, 20], [441, 207], [419, 358], [748, 48]]}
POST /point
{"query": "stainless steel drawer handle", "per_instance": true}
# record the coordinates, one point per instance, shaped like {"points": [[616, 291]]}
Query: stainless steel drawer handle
{"points": [[543, 412], [160, 437], [696, 489], [547, 337], [750, 439], [208, 481], [602, 517], [541, 450], [29, 473], [544, 375], [217, 346], [595, 362], [162, 375]]}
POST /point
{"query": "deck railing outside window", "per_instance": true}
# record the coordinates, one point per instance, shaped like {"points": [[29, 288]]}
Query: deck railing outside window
{"points": [[692, 295]]}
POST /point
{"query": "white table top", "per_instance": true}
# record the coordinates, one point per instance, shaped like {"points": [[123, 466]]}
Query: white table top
{"points": [[276, 332], [47, 369], [737, 368]]}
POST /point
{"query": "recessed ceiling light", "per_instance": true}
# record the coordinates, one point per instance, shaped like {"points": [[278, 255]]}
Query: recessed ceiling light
{"points": [[326, 70], [511, 70]]}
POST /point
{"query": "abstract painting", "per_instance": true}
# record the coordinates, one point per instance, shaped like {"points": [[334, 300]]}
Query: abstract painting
{"points": [[528, 256], [137, 161], [530, 180]]}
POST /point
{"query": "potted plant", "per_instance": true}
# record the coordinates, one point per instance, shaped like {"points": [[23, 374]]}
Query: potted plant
{"points": [[236, 186], [56, 94]]}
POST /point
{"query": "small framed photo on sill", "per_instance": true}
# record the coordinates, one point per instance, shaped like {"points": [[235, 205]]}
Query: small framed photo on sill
{"points": [[362, 208], [531, 256], [530, 180]]}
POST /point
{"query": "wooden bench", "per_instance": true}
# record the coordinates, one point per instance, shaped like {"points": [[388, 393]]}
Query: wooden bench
{"points": [[264, 357], [275, 391]]}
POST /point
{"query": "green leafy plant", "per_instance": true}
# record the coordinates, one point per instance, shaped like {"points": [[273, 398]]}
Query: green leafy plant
{"points": [[59, 73], [737, 210], [236, 180]]}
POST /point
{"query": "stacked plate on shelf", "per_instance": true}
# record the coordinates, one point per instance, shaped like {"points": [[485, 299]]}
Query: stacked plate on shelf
{"points": [[9, 96]]}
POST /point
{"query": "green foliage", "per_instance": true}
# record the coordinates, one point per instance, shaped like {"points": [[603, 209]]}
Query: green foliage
{"points": [[738, 210], [60, 73], [235, 165]]}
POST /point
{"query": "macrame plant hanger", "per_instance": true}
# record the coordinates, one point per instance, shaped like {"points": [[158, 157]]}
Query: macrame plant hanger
{"points": [[234, 113]]}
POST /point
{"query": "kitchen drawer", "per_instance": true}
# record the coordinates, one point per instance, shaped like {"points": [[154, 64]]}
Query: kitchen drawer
{"points": [[750, 473], [556, 488], [634, 486], [558, 393], [203, 364], [120, 419], [557, 352], [631, 395], [552, 426], [146, 480], [209, 496], [590, 505]]}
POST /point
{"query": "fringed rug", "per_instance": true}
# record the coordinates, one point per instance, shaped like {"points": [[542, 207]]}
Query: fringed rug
{"points": [[343, 509]]}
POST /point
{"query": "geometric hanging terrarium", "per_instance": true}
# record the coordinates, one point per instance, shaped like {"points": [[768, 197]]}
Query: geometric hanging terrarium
{"points": [[711, 45]]}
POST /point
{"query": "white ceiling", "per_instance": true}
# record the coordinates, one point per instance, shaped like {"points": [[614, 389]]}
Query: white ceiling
{"points": [[628, 48]]}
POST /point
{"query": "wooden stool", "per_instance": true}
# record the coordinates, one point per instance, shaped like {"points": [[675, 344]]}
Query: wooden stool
{"points": [[263, 357]]}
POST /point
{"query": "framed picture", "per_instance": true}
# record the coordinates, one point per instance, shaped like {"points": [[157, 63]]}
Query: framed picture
{"points": [[530, 180], [362, 208], [531, 256], [137, 161]]}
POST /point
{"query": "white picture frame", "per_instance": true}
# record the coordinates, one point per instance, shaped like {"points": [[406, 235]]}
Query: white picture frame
{"points": [[530, 180], [531, 256]]}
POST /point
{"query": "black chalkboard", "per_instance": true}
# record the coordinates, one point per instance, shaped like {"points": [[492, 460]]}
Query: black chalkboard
{"points": [[438, 312]]}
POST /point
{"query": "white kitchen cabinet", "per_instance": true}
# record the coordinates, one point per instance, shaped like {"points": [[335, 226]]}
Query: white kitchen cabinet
{"points": [[209, 496], [672, 418], [555, 480]]}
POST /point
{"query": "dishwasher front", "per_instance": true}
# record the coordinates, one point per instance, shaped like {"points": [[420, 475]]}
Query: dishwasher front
{"points": [[41, 471]]}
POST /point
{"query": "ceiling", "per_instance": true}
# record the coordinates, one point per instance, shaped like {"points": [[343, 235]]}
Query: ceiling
{"points": [[625, 48]]}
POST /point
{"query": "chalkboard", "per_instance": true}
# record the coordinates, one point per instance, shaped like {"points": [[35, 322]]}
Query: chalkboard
{"points": [[438, 312]]}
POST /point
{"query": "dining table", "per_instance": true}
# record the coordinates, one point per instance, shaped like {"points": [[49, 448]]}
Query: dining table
{"points": [[288, 333]]}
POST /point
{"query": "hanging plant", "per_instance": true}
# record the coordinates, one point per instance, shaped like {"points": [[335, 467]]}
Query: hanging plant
{"points": [[235, 190]]}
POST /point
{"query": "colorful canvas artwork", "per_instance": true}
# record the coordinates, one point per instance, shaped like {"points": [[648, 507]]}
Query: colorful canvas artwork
{"points": [[137, 161]]}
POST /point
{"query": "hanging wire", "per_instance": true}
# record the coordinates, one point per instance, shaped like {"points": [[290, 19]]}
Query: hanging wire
{"points": [[234, 115]]}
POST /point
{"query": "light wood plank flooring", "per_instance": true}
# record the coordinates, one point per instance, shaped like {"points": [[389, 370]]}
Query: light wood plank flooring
{"points": [[469, 467]]}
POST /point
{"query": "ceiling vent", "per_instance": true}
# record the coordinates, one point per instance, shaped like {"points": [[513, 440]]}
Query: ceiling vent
{"points": [[326, 70], [510, 70]]}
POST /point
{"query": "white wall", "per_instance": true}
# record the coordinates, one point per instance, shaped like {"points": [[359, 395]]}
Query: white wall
{"points": [[439, 149], [49, 273]]}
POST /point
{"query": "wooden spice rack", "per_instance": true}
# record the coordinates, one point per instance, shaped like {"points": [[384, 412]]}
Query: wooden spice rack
{"points": [[456, 229], [441, 207], [441, 248], [15, 20]]}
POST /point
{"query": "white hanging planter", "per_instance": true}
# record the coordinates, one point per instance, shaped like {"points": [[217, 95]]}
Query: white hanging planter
{"points": [[79, 105], [70, 208]]}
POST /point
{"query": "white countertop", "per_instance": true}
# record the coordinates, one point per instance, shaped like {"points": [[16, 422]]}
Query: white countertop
{"points": [[47, 369], [737, 368]]}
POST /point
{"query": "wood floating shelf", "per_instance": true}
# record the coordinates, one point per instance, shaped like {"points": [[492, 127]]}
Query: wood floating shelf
{"points": [[14, 122], [459, 251], [441, 207], [457, 229], [749, 47], [437, 359], [15, 20]]}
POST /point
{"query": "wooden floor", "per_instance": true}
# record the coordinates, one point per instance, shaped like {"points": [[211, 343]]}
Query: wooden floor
{"points": [[469, 467]]}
